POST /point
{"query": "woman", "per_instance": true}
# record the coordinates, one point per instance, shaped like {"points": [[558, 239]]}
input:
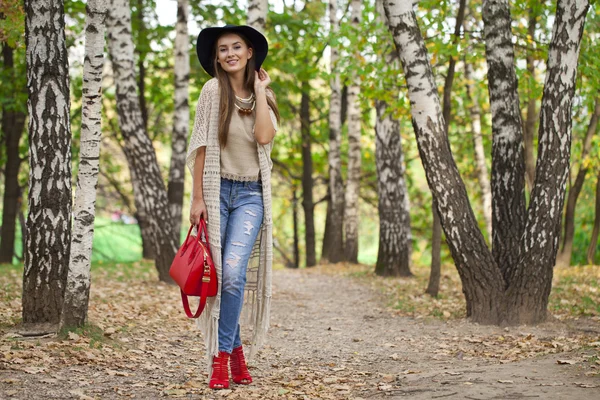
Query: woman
{"points": [[229, 157]]}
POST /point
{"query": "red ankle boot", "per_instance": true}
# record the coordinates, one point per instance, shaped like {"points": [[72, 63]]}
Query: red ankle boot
{"points": [[220, 371], [239, 370]]}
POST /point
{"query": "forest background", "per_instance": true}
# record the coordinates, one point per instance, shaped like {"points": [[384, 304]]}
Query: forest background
{"points": [[299, 36]]}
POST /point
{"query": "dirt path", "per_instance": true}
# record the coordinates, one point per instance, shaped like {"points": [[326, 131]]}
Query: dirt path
{"points": [[331, 338]]}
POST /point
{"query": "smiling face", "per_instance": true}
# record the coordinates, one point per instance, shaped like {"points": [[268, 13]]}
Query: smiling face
{"points": [[232, 53]]}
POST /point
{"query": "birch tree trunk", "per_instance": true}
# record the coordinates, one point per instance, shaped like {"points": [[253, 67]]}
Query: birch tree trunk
{"points": [[433, 287], [482, 169], [531, 116], [49, 214], [257, 14], [564, 257], [508, 163], [493, 295], [351, 208], [307, 180], [395, 240], [77, 291], [530, 283], [435, 275], [181, 116], [13, 122], [138, 147], [333, 243], [596, 230]]}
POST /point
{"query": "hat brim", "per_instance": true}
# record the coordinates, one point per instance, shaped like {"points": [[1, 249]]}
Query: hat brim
{"points": [[208, 36]]}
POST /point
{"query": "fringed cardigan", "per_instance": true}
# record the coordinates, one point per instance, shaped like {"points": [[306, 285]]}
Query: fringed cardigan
{"points": [[257, 301]]}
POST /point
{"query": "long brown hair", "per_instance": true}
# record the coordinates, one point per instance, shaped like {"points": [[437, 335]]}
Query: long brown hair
{"points": [[226, 105]]}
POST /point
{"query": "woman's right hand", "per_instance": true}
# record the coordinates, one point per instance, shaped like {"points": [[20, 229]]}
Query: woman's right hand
{"points": [[197, 211]]}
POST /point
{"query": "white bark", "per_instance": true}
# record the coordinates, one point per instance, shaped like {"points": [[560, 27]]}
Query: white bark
{"points": [[354, 155], [482, 280], [508, 159], [84, 210], [542, 229], [181, 117], [257, 14], [138, 148], [49, 201], [336, 184], [482, 169]]}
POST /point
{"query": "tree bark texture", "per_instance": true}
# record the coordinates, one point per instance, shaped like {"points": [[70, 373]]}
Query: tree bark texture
{"points": [[596, 230], [181, 118], [531, 116], [138, 147], [257, 14], [433, 286], [531, 281], [77, 291], [490, 297], [49, 212], [307, 179], [564, 257], [508, 163], [436, 245], [13, 122], [395, 239], [335, 214], [141, 59], [481, 165], [351, 208]]}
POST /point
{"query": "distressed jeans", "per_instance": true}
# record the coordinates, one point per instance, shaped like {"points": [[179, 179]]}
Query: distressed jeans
{"points": [[241, 217]]}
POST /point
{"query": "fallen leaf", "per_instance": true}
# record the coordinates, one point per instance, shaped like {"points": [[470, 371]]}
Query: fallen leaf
{"points": [[585, 385], [570, 362], [505, 381], [74, 336]]}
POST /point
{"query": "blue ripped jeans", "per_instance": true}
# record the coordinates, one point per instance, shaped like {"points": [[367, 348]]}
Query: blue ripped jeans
{"points": [[241, 217]]}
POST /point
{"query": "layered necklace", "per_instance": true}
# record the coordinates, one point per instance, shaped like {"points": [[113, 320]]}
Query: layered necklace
{"points": [[245, 110]]}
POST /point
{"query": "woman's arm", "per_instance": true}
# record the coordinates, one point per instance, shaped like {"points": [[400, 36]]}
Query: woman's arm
{"points": [[198, 209], [264, 131]]}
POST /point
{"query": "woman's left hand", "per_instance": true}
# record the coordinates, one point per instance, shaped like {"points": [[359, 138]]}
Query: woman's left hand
{"points": [[261, 80]]}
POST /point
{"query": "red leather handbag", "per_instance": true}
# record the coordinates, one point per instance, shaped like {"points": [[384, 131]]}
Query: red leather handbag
{"points": [[194, 271]]}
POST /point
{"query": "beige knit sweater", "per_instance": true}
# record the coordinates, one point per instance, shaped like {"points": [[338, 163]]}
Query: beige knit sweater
{"points": [[257, 297]]}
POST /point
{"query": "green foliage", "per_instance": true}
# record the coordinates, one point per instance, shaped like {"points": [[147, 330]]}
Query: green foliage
{"points": [[12, 23], [299, 41]]}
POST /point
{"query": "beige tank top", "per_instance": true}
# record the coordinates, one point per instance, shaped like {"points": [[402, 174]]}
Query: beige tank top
{"points": [[239, 158]]}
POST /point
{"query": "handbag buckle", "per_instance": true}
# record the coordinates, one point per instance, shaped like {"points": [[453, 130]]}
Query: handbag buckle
{"points": [[205, 279]]}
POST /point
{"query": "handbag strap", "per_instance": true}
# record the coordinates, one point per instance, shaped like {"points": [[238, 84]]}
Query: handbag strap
{"points": [[203, 294], [202, 228]]}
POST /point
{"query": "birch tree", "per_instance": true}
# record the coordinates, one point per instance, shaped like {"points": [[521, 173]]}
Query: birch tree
{"points": [[354, 154], [395, 238], [49, 211], [508, 162], [181, 116], [333, 242], [496, 293], [77, 291], [138, 147], [257, 14]]}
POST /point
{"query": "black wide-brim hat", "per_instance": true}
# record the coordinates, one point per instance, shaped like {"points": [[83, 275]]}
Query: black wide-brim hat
{"points": [[208, 37]]}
